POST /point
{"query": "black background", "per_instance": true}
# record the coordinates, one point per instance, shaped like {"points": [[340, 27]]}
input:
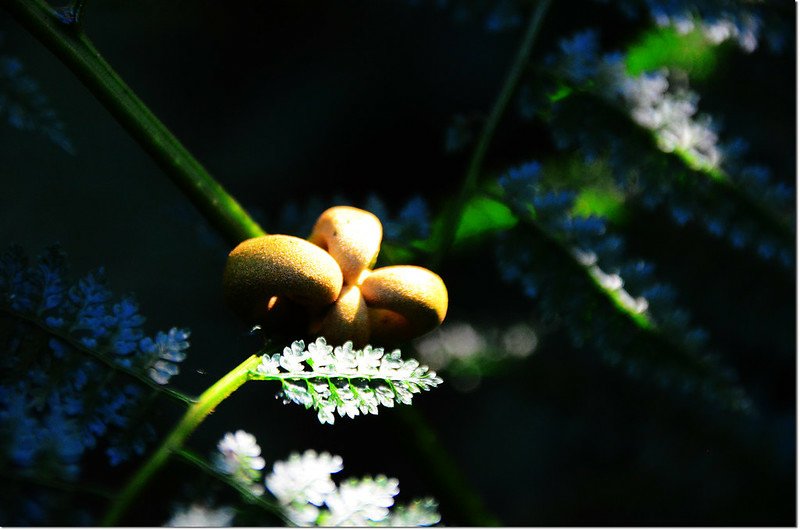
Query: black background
{"points": [[282, 100]]}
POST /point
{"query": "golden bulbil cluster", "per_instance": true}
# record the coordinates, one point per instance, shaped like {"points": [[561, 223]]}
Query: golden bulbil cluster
{"points": [[327, 283]]}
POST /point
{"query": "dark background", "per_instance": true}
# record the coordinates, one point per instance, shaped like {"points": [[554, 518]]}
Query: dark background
{"points": [[283, 100]]}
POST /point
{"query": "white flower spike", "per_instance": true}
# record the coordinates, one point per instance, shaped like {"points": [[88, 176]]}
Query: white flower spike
{"points": [[240, 457], [308, 496], [343, 380]]}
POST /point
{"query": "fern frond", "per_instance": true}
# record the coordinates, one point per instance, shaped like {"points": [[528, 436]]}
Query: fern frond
{"points": [[343, 380]]}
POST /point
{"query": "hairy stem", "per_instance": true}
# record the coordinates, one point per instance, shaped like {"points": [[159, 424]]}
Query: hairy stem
{"points": [[453, 215], [75, 50], [193, 417]]}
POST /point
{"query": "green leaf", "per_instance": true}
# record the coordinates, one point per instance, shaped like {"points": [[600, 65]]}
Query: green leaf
{"points": [[562, 92], [483, 215], [665, 47], [606, 203], [392, 254]]}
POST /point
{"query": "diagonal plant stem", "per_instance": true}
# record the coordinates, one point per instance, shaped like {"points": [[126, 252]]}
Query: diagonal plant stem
{"points": [[640, 324], [76, 51], [201, 464], [198, 412], [452, 483], [99, 356], [452, 215], [718, 179]]}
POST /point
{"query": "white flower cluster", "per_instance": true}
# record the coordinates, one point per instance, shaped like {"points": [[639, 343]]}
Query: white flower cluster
{"points": [[240, 457], [612, 283], [744, 28], [306, 493], [343, 380], [305, 490], [669, 114]]}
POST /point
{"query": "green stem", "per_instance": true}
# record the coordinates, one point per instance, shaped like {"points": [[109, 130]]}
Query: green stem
{"points": [[206, 404], [453, 215], [667, 346], [454, 489], [99, 356], [244, 491], [75, 50]]}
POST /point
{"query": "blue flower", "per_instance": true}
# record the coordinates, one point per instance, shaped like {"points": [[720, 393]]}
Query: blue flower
{"points": [[164, 353], [128, 324], [24, 106], [56, 401], [504, 16], [578, 59]]}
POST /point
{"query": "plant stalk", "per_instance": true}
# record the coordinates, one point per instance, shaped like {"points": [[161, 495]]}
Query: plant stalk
{"points": [[452, 215], [69, 44], [99, 356], [454, 488], [258, 500], [193, 417]]}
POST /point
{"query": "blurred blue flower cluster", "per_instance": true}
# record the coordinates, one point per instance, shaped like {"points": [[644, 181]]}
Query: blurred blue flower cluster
{"points": [[411, 222], [60, 396], [718, 20], [629, 121], [495, 16], [580, 274], [24, 106]]}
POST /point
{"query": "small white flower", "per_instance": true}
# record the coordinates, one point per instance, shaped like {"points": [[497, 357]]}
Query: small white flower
{"points": [[402, 394], [236, 448], [347, 407], [345, 358], [240, 457], [304, 478], [420, 512], [320, 354], [293, 358], [302, 514], [323, 389], [390, 363], [198, 515], [162, 371], [325, 413], [368, 360], [309, 497], [385, 396], [367, 401], [297, 392], [360, 502], [270, 365]]}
